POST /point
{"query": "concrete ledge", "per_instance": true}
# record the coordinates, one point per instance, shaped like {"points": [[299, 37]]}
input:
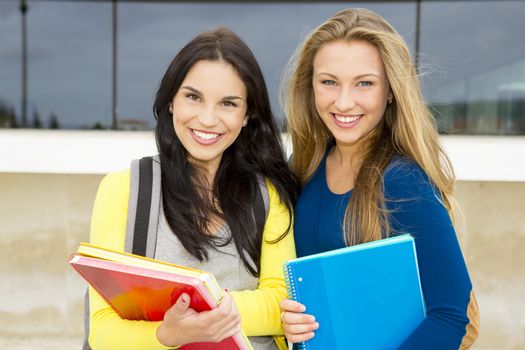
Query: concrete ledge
{"points": [[72, 151], [475, 158]]}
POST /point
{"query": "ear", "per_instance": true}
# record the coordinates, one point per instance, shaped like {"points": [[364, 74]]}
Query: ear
{"points": [[170, 108], [245, 121]]}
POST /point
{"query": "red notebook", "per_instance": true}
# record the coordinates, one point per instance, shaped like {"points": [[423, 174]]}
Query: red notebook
{"points": [[139, 288]]}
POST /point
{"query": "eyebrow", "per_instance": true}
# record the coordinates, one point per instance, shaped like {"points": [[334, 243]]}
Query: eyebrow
{"points": [[197, 92], [192, 89], [232, 97], [355, 78]]}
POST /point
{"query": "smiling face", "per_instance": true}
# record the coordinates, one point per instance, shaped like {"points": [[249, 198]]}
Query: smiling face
{"points": [[208, 111], [351, 89]]}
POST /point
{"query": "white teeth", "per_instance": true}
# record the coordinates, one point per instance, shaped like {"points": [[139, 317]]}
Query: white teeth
{"points": [[344, 119], [205, 135]]}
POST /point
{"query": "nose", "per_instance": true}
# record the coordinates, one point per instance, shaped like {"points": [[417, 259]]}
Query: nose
{"points": [[208, 117], [344, 100]]}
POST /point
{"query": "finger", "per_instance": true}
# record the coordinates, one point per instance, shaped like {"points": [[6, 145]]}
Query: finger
{"points": [[296, 317], [231, 324], [298, 329], [225, 312], [229, 317], [293, 338], [180, 307], [234, 306], [222, 318], [230, 332], [292, 306], [217, 329]]}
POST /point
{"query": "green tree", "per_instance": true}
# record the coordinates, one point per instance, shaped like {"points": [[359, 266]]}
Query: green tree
{"points": [[37, 122], [13, 119], [97, 126], [7, 116], [53, 121]]}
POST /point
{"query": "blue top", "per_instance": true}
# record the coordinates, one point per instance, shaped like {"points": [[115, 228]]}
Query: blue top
{"points": [[415, 208]]}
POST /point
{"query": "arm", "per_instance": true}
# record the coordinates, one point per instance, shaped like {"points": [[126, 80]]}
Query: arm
{"points": [[415, 208], [181, 324], [259, 309], [108, 229]]}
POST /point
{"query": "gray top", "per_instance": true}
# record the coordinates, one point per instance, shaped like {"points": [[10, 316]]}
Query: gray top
{"points": [[224, 262]]}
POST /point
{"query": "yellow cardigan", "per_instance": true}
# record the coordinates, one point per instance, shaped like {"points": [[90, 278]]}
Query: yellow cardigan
{"points": [[259, 308]]}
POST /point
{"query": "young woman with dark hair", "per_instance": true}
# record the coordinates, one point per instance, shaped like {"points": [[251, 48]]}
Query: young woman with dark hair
{"points": [[217, 143]]}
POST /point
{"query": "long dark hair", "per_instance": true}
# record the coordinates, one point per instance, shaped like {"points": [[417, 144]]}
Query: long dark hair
{"points": [[256, 151]]}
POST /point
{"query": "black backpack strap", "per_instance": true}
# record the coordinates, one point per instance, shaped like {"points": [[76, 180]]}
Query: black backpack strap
{"points": [[140, 232], [144, 206]]}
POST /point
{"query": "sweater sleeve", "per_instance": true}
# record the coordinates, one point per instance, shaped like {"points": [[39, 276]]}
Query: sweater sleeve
{"points": [[415, 207], [259, 309], [108, 229]]}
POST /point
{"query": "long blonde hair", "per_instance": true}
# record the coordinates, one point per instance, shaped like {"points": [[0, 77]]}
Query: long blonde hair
{"points": [[408, 128]]}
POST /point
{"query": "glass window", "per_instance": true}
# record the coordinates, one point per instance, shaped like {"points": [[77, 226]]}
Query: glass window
{"points": [[69, 46], [69, 62], [473, 64], [150, 34], [10, 67]]}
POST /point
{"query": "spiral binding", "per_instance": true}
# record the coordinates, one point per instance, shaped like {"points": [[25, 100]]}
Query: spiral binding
{"points": [[292, 293], [92, 284], [290, 285]]}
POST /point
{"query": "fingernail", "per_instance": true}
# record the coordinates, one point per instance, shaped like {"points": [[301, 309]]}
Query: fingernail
{"points": [[302, 308], [184, 299], [316, 325], [311, 319]]}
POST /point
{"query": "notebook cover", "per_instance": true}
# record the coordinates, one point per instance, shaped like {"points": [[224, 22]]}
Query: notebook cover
{"points": [[138, 293], [366, 296], [94, 251]]}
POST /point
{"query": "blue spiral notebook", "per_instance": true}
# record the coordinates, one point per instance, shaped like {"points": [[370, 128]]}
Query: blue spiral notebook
{"points": [[367, 296]]}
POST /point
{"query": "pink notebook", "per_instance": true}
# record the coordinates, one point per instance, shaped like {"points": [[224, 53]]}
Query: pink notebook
{"points": [[144, 293]]}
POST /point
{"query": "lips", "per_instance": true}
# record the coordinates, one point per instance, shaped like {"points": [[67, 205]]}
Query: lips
{"points": [[346, 120], [205, 137]]}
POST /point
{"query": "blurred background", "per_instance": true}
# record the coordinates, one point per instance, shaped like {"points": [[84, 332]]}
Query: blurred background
{"points": [[77, 83]]}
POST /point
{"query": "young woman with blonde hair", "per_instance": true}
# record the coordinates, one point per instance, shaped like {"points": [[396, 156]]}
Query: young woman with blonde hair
{"points": [[367, 151]]}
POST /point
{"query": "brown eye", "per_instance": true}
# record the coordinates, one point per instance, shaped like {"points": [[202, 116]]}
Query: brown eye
{"points": [[229, 104], [193, 97]]}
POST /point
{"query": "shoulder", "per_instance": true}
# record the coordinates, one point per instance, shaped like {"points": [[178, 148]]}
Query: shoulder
{"points": [[109, 218], [114, 187], [116, 179], [404, 178], [403, 167], [279, 217]]}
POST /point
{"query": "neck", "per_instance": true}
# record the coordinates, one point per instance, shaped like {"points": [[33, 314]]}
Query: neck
{"points": [[349, 156], [352, 155], [208, 169]]}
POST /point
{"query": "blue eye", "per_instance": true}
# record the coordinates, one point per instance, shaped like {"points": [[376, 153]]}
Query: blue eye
{"points": [[329, 82], [364, 83]]}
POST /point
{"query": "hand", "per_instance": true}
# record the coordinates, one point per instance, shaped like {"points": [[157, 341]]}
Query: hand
{"points": [[183, 325], [298, 326]]}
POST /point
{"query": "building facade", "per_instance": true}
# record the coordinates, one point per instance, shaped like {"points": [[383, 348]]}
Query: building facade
{"points": [[95, 64]]}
